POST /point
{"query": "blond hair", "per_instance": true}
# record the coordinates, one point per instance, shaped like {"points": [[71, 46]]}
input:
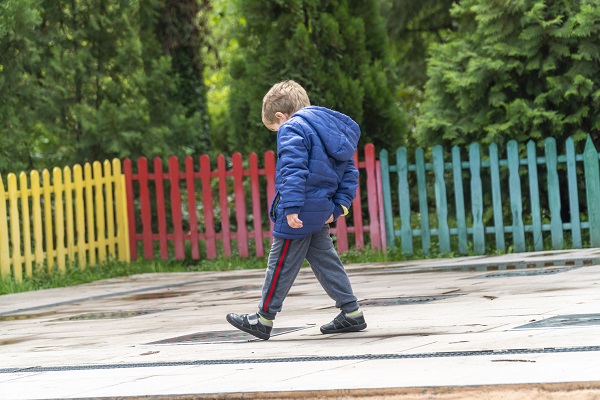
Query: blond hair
{"points": [[286, 97]]}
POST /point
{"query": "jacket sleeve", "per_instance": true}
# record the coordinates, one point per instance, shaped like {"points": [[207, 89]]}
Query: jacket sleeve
{"points": [[346, 191], [292, 151]]}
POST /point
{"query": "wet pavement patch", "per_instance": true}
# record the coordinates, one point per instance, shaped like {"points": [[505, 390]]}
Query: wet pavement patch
{"points": [[11, 341], [528, 272], [232, 336], [396, 301], [108, 315], [21, 317], [564, 321], [243, 288], [156, 295]]}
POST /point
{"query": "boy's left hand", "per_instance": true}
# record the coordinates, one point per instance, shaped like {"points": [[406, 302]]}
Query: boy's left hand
{"points": [[329, 220]]}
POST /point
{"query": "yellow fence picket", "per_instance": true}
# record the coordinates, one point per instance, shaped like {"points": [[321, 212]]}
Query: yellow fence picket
{"points": [[80, 216], [121, 206], [99, 207], [36, 206], [69, 222], [89, 208], [48, 223], [4, 247], [15, 227], [59, 221], [110, 211], [26, 218]]}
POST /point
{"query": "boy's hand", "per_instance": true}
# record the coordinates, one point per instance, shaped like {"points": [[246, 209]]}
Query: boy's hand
{"points": [[329, 220], [294, 221]]}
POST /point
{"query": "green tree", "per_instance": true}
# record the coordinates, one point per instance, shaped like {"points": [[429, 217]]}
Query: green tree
{"points": [[518, 69], [88, 80], [337, 49]]}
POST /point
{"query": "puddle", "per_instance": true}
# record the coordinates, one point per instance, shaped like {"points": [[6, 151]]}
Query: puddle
{"points": [[231, 336], [531, 272], [156, 295], [108, 315], [11, 341], [396, 301], [564, 321], [21, 317]]}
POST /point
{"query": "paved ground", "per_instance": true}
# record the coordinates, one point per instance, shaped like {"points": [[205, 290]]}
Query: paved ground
{"points": [[515, 326]]}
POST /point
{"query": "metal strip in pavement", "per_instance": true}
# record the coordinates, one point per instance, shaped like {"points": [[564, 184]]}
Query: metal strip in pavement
{"points": [[364, 357]]}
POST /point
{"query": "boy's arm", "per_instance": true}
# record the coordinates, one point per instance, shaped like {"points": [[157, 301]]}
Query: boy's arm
{"points": [[293, 161], [346, 191]]}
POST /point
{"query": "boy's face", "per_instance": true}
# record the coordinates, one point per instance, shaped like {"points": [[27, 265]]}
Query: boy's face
{"points": [[281, 118]]}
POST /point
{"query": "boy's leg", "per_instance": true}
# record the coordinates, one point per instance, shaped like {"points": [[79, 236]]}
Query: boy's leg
{"points": [[285, 259], [330, 272]]}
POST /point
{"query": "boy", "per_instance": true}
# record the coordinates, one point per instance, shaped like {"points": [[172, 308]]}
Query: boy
{"points": [[316, 181]]}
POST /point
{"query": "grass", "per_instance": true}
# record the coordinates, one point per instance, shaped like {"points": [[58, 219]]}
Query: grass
{"points": [[74, 275]]}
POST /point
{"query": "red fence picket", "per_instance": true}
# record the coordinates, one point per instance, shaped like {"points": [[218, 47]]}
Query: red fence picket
{"points": [[183, 217]]}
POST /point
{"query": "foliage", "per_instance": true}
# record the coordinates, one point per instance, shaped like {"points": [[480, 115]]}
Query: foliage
{"points": [[95, 79], [337, 49], [520, 69]]}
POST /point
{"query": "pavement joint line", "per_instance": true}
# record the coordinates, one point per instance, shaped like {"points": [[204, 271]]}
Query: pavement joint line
{"points": [[367, 357]]}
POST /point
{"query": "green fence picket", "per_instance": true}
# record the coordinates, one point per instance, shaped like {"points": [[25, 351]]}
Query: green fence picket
{"points": [[423, 207], [404, 199], [477, 199], [441, 201], [573, 194], [534, 197], [497, 197], [556, 227], [592, 190], [384, 165], [459, 199], [516, 201]]}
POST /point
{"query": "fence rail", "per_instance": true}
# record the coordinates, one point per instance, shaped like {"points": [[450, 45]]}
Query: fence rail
{"points": [[74, 215], [552, 193], [201, 212]]}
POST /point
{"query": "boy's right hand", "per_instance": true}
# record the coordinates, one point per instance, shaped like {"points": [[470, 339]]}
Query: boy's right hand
{"points": [[329, 220], [294, 221]]}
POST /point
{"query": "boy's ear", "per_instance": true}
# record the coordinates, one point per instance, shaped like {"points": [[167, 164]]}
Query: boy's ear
{"points": [[281, 117]]}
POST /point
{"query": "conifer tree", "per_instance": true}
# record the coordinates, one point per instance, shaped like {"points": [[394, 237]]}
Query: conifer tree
{"points": [[336, 49], [518, 69]]}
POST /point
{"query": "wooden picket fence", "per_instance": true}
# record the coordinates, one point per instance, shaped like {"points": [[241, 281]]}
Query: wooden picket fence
{"points": [[201, 212], [72, 216], [533, 192]]}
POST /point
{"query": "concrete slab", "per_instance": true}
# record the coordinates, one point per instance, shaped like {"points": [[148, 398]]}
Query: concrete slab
{"points": [[114, 338]]}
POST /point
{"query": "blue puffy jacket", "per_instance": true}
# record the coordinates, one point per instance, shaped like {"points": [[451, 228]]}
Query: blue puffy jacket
{"points": [[315, 170]]}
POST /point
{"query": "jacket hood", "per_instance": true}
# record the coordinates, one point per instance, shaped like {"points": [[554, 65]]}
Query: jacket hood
{"points": [[338, 132]]}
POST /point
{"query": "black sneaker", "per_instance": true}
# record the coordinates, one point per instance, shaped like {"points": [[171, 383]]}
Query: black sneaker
{"points": [[251, 324], [343, 323]]}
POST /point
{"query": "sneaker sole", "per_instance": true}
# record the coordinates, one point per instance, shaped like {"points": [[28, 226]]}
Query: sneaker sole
{"points": [[356, 328], [251, 332]]}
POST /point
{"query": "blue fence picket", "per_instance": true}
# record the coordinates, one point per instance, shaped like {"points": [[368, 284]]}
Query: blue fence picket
{"points": [[534, 196], [423, 204], [573, 194], [556, 227], [404, 198], [459, 199], [592, 190], [516, 202], [441, 201], [477, 199], [497, 197]]}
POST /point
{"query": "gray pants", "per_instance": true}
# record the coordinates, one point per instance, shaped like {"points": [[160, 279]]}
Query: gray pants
{"points": [[286, 258]]}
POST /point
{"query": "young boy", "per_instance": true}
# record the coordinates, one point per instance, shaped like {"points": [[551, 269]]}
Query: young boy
{"points": [[316, 181]]}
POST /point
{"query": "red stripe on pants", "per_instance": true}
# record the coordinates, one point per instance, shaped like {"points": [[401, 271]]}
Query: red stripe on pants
{"points": [[276, 275]]}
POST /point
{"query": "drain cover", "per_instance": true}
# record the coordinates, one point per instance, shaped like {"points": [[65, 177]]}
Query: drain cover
{"points": [[396, 301], [528, 272], [224, 336], [108, 315], [564, 321]]}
